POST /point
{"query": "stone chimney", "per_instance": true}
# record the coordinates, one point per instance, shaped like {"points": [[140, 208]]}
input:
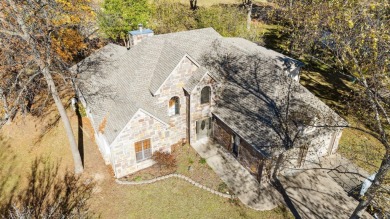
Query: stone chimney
{"points": [[136, 36]]}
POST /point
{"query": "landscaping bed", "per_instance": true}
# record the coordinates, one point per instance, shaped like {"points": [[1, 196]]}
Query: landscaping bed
{"points": [[188, 163]]}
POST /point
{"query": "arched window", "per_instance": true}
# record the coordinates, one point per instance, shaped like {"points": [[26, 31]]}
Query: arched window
{"points": [[174, 106], [205, 95]]}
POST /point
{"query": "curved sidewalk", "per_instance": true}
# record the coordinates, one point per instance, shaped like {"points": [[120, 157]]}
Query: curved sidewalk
{"points": [[237, 178]]}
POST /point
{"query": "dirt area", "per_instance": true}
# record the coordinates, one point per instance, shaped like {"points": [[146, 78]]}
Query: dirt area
{"points": [[171, 198], [149, 173]]}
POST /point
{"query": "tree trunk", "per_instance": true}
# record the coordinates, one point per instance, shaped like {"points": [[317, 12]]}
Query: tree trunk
{"points": [[193, 4], [32, 42], [249, 16], [78, 164], [371, 192], [5, 106], [277, 166]]}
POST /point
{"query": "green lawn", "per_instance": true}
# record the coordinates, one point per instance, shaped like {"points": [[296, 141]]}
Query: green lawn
{"points": [[361, 148]]}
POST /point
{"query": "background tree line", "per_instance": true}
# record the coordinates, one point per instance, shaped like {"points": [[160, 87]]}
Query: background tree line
{"points": [[117, 17]]}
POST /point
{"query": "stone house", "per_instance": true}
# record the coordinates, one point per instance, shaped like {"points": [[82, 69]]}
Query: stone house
{"points": [[172, 88]]}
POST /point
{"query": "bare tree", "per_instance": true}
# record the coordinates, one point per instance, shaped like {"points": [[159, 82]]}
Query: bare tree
{"points": [[351, 37], [34, 46]]}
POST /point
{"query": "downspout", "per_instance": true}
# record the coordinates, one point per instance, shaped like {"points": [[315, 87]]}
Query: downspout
{"points": [[188, 116]]}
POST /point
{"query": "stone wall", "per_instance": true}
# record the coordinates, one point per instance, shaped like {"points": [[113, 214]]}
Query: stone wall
{"points": [[142, 126], [323, 142], [138, 38], [174, 87], [201, 111]]}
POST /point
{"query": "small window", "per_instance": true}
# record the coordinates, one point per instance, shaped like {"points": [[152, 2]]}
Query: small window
{"points": [[143, 150], [174, 106], [205, 95]]}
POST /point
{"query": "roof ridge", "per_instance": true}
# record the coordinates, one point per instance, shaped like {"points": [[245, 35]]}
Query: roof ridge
{"points": [[188, 32], [173, 50]]}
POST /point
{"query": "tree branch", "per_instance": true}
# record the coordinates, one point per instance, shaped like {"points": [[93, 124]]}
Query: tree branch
{"points": [[11, 33]]}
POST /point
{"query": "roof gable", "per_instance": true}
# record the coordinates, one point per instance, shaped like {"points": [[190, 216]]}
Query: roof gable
{"points": [[126, 81], [169, 59]]}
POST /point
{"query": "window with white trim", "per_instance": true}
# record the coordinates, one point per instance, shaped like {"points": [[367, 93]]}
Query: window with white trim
{"points": [[143, 150]]}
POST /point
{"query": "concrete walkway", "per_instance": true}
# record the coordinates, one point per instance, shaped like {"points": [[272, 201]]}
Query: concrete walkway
{"points": [[314, 193], [237, 178]]}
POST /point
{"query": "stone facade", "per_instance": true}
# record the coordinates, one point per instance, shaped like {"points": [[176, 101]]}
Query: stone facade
{"points": [[173, 87], [144, 126], [200, 111], [323, 141], [121, 153]]}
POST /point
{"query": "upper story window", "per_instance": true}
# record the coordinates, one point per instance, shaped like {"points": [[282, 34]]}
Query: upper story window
{"points": [[174, 106], [205, 95]]}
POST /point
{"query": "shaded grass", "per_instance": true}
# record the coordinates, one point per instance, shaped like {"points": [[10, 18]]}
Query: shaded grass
{"points": [[330, 88]]}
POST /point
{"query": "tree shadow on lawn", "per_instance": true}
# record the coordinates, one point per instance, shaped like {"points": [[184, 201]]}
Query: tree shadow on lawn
{"points": [[8, 182], [48, 194], [325, 82]]}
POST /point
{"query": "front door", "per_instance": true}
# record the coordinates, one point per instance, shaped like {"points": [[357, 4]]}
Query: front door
{"points": [[203, 128]]}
